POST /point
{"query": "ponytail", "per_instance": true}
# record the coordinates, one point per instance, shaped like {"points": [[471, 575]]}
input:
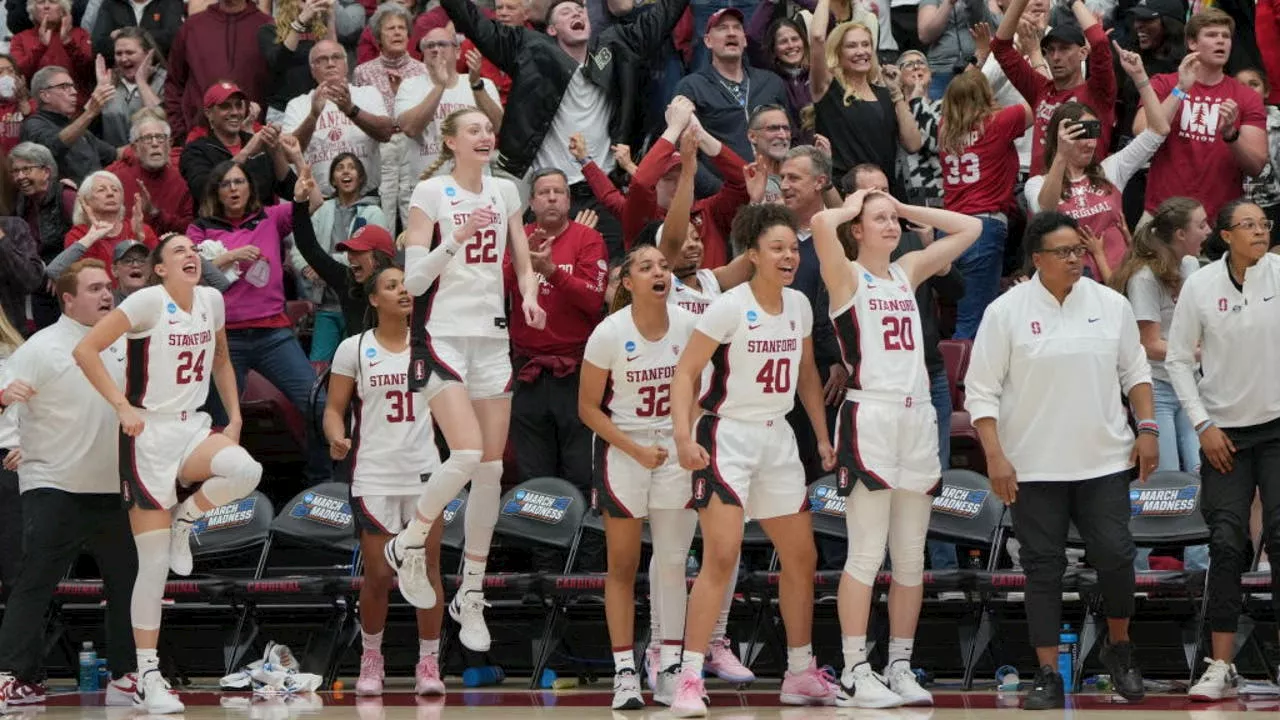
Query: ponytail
{"points": [[446, 155]]}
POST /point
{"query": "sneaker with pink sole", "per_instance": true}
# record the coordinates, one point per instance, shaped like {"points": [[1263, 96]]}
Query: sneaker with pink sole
{"points": [[688, 700], [428, 675], [371, 674], [722, 663], [811, 687]]}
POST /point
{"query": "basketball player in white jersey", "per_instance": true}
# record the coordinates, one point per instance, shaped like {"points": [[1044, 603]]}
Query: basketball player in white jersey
{"points": [[758, 339], [693, 289], [392, 447], [459, 228], [887, 433], [176, 345], [624, 396]]}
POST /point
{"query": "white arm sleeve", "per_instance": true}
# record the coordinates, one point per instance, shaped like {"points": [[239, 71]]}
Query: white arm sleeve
{"points": [[422, 267]]}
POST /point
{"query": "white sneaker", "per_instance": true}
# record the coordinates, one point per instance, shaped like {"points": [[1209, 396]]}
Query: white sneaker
{"points": [[626, 690], [410, 566], [665, 689], [861, 687], [155, 696], [467, 609], [1218, 681], [652, 659], [120, 691], [180, 561], [903, 683]]}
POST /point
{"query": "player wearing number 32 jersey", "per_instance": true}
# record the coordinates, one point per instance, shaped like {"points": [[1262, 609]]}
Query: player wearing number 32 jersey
{"points": [[176, 347], [887, 434]]}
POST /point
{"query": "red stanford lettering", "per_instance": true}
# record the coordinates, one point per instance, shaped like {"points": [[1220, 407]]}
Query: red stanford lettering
{"points": [[771, 346], [904, 305], [193, 340], [644, 376], [388, 380]]}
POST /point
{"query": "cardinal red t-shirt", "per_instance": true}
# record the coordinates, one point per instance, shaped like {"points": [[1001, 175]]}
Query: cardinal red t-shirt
{"points": [[1194, 161], [981, 178]]}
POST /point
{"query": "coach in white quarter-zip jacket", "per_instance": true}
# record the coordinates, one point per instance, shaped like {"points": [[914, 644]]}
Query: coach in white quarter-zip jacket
{"points": [[70, 485], [1229, 309], [1050, 361]]}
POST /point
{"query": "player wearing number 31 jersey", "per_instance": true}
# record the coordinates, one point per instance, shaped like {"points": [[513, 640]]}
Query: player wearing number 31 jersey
{"points": [[177, 345]]}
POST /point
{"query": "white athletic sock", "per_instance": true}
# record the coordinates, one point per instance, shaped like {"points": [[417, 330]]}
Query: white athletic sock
{"points": [[900, 649], [428, 647], [148, 659], [799, 659], [669, 655], [372, 642], [188, 511], [472, 575], [415, 533], [692, 661], [624, 659], [855, 650]]}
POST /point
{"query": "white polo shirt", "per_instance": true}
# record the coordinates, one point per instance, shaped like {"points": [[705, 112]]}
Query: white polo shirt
{"points": [[68, 433], [1052, 374], [1238, 333]]}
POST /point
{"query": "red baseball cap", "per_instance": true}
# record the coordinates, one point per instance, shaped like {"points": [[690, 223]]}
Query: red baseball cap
{"points": [[721, 14], [369, 237], [672, 163], [219, 93]]}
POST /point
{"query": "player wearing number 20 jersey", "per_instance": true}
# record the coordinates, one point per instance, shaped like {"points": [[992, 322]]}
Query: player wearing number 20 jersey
{"points": [[755, 373], [637, 399], [169, 373]]}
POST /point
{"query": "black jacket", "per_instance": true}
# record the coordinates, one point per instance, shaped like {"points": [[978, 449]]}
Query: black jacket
{"points": [[21, 268], [161, 19], [200, 156], [75, 161], [617, 62], [354, 301], [54, 221]]}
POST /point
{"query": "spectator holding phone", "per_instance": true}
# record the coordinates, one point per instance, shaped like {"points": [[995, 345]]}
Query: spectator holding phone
{"points": [[1089, 191]]}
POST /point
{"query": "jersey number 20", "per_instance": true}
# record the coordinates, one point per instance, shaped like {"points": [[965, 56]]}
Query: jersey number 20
{"points": [[483, 247], [898, 334]]}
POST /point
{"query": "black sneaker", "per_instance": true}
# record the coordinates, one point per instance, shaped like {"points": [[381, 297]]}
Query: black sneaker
{"points": [[1047, 693], [1126, 676]]}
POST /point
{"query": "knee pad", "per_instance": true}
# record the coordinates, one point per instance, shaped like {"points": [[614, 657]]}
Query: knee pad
{"points": [[863, 566], [235, 475], [153, 570]]}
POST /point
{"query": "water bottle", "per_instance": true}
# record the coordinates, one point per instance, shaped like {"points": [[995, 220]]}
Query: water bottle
{"points": [[104, 674], [691, 564], [88, 668], [483, 676], [975, 560], [1067, 640]]}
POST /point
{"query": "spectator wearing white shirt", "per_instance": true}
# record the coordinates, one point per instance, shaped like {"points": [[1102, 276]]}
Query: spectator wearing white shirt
{"points": [[337, 117], [1225, 311], [1050, 361], [423, 102], [70, 489]]}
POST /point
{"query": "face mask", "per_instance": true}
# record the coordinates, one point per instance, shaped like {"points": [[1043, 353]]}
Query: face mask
{"points": [[8, 86]]}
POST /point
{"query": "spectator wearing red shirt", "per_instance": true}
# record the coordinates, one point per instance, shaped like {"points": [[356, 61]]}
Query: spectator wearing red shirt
{"points": [[512, 13], [546, 434], [1221, 132], [655, 182], [15, 103], [979, 170], [55, 41], [1064, 50], [101, 221], [150, 175], [434, 18]]}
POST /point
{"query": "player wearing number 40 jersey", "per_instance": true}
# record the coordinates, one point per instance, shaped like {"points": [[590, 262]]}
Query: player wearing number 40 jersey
{"points": [[176, 346], [459, 227], [887, 434], [391, 447], [757, 338]]}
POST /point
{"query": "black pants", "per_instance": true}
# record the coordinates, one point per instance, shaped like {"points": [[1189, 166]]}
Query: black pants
{"points": [[581, 198], [10, 529], [56, 526], [1041, 518], [1226, 504]]}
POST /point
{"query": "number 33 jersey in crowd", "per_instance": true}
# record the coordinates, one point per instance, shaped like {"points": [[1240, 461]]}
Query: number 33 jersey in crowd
{"points": [[638, 395], [756, 369], [467, 300], [171, 350]]}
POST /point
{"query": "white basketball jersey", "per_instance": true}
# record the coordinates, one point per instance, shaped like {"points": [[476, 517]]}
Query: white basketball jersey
{"points": [[695, 301], [638, 393], [171, 350], [392, 441], [756, 369], [467, 300], [880, 335]]}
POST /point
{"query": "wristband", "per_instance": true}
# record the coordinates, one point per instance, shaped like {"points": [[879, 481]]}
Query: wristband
{"points": [[1228, 139], [355, 110], [478, 85], [1205, 426], [583, 161], [297, 27], [1179, 93], [1148, 424], [1144, 84]]}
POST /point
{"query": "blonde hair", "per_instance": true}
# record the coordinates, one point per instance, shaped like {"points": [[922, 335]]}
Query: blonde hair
{"points": [[835, 43], [966, 105], [448, 128], [286, 11], [10, 338]]}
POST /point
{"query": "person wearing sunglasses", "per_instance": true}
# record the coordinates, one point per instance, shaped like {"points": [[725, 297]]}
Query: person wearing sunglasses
{"points": [[1227, 319], [1049, 364]]}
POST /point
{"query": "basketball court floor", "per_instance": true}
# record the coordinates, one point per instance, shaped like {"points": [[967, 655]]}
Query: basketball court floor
{"points": [[761, 703]]}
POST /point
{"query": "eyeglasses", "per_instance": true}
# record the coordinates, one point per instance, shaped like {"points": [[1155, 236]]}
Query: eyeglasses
{"points": [[438, 45], [1253, 225], [133, 260], [781, 127], [61, 86], [232, 183], [912, 64], [156, 138], [327, 59], [1062, 253], [21, 170]]}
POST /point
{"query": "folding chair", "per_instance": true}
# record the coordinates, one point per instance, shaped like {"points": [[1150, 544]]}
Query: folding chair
{"points": [[964, 438]]}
